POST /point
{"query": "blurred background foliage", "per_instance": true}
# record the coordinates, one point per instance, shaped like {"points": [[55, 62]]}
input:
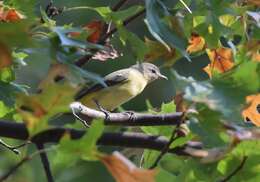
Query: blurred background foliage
{"points": [[223, 35]]}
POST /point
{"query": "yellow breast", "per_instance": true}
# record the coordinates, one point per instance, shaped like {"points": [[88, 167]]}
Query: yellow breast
{"points": [[112, 97]]}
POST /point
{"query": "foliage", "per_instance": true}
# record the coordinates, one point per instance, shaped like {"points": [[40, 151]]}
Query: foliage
{"points": [[42, 53]]}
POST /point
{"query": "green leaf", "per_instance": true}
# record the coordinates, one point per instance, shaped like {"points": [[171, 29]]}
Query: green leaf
{"points": [[221, 93], [8, 91], [160, 30], [161, 130], [137, 45], [4, 109], [69, 151]]}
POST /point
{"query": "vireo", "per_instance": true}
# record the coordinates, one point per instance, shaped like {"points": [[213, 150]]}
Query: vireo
{"points": [[122, 85]]}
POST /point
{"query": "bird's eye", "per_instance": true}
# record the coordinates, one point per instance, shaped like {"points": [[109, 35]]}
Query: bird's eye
{"points": [[153, 71]]}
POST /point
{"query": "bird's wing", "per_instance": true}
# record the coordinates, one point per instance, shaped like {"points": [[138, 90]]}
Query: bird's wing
{"points": [[111, 79]]}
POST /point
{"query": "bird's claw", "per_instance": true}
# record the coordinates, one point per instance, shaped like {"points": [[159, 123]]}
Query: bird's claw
{"points": [[106, 112], [131, 115]]}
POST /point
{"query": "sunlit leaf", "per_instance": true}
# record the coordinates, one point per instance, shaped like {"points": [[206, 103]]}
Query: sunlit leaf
{"points": [[124, 170]]}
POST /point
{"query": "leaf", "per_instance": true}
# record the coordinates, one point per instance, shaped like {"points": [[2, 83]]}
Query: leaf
{"points": [[8, 91], [196, 43], [124, 170], [10, 14], [4, 109], [63, 33], [37, 109], [160, 30], [5, 56], [161, 130], [221, 94], [137, 45], [157, 50], [69, 151], [221, 60], [252, 112]]}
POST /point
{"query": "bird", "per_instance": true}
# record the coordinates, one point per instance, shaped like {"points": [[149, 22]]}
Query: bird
{"points": [[121, 86]]}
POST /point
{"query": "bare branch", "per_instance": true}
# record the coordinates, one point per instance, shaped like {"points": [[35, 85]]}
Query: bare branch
{"points": [[19, 164], [166, 148], [83, 60], [45, 162], [126, 119], [13, 148], [118, 5], [127, 139], [233, 173]]}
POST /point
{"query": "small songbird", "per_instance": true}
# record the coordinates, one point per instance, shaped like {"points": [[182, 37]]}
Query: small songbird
{"points": [[122, 85]]}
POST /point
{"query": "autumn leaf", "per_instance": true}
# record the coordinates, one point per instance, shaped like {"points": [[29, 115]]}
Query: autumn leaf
{"points": [[196, 43], [5, 56], [94, 28], [252, 112], [124, 170], [36, 109], [9, 14], [157, 50], [221, 60]]}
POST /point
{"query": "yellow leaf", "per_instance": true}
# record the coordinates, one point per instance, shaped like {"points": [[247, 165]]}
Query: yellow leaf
{"points": [[158, 51], [124, 170], [221, 60], [252, 112], [37, 109]]}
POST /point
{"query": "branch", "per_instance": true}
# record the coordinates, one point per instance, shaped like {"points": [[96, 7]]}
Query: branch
{"points": [[166, 148], [45, 162], [81, 61], [126, 139], [126, 22], [19, 164], [236, 170], [128, 119], [118, 5]]}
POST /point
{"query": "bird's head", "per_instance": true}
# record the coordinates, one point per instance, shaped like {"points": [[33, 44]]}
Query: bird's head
{"points": [[150, 71]]}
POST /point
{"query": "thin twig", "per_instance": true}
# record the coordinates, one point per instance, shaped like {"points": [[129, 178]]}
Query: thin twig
{"points": [[126, 119], [45, 162], [19, 164], [233, 173], [166, 148], [13, 148], [126, 22], [83, 60], [118, 5]]}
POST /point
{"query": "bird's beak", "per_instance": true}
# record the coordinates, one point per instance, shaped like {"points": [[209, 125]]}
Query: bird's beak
{"points": [[162, 76]]}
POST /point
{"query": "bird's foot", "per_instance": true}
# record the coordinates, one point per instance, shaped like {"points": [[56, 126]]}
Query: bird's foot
{"points": [[106, 112], [131, 115]]}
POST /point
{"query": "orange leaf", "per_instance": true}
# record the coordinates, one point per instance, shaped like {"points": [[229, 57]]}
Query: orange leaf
{"points": [[12, 15], [9, 14], [5, 56], [96, 29], [196, 43], [124, 170], [221, 60], [252, 112]]}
